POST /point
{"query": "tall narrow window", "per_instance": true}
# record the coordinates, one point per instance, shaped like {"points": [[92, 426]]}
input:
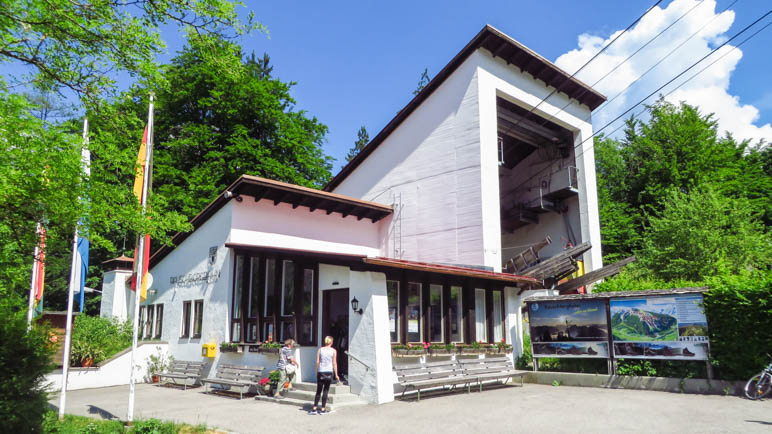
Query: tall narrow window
{"points": [[185, 329], [392, 292], [253, 300], [198, 318], [481, 328], [142, 319], [270, 300], [308, 292], [305, 319], [148, 334], [288, 289], [414, 332], [238, 291], [159, 321], [498, 323], [456, 315], [436, 332]]}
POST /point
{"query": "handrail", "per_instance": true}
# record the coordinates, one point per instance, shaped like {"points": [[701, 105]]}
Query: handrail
{"points": [[367, 367]]}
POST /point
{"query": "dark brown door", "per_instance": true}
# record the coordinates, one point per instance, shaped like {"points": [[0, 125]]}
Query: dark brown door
{"points": [[335, 307]]}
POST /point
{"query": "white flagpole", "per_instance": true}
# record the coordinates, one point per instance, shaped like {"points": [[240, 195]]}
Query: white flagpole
{"points": [[74, 281], [139, 260], [36, 259]]}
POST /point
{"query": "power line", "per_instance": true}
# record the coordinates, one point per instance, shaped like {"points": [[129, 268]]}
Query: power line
{"points": [[680, 74], [695, 74], [557, 89], [571, 100], [675, 78]]}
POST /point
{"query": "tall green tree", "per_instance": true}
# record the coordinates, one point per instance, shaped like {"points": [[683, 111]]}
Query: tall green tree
{"points": [[677, 148], [362, 140], [77, 45], [221, 116]]}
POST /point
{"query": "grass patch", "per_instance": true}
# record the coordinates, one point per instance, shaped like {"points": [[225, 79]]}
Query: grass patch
{"points": [[85, 425]]}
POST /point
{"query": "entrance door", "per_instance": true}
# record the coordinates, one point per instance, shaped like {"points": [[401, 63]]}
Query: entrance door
{"points": [[335, 323]]}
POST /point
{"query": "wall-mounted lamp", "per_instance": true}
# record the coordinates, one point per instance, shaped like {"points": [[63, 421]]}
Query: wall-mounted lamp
{"points": [[336, 282], [229, 194], [355, 306], [152, 291]]}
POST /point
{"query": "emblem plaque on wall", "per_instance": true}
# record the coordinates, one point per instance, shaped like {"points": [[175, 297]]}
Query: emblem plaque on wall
{"points": [[212, 255]]}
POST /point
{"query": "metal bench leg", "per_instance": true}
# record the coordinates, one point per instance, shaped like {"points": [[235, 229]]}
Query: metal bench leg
{"points": [[419, 394]]}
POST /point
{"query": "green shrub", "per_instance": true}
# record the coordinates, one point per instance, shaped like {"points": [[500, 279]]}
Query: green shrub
{"points": [[98, 338], [25, 359], [525, 361], [739, 311], [84, 425]]}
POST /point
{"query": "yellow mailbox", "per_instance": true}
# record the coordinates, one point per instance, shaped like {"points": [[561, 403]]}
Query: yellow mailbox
{"points": [[208, 350]]}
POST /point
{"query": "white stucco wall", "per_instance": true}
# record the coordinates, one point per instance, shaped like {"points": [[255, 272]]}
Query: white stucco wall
{"points": [[264, 224], [496, 78], [116, 295], [432, 160], [370, 373], [442, 160], [115, 372]]}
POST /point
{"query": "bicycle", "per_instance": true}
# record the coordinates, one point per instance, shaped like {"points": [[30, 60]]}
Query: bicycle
{"points": [[760, 384]]}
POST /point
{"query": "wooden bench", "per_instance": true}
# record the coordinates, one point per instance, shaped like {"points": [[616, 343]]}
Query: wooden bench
{"points": [[235, 377], [184, 373], [430, 375], [490, 368]]}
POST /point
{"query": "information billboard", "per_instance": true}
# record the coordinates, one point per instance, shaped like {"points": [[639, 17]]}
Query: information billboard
{"points": [[659, 327], [569, 328]]}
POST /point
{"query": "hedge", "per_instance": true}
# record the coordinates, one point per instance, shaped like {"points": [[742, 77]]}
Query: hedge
{"points": [[739, 312], [25, 359]]}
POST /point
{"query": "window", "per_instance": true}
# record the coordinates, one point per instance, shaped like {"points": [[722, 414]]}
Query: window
{"points": [[481, 327], [436, 332], [414, 332], [159, 321], [148, 332], [238, 292], [198, 317], [185, 329], [305, 319], [142, 319], [498, 326], [288, 289], [392, 292], [270, 299], [456, 315], [273, 299]]}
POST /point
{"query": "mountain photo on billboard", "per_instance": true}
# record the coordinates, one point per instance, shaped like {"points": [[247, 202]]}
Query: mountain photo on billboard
{"points": [[693, 329], [634, 320], [568, 321]]}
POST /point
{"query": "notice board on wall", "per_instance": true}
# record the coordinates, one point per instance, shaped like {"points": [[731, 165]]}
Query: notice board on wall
{"points": [[571, 328], [671, 326], [662, 327]]}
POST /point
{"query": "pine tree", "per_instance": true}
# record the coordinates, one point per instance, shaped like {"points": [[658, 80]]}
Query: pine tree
{"points": [[362, 140]]}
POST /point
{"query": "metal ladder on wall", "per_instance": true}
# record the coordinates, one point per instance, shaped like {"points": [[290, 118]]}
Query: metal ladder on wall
{"points": [[396, 232]]}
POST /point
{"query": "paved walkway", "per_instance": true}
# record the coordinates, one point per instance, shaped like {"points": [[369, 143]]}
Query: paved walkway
{"points": [[533, 408]]}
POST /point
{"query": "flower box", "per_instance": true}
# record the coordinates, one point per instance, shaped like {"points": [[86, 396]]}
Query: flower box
{"points": [[269, 350], [442, 352]]}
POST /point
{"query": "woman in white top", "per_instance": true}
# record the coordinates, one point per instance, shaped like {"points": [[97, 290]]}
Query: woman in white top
{"points": [[326, 369]]}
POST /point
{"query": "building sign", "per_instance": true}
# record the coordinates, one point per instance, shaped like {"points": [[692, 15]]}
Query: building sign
{"points": [[569, 328], [194, 278], [661, 327]]}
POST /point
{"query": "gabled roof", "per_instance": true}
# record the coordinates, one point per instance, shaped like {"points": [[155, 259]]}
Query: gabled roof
{"points": [[280, 192], [499, 45]]}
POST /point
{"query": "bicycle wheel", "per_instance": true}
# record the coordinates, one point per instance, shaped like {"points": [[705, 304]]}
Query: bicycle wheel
{"points": [[758, 386]]}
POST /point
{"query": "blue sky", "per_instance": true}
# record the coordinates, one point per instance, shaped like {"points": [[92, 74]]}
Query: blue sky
{"points": [[357, 63]]}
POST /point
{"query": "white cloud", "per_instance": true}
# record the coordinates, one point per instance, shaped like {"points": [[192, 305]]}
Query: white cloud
{"points": [[709, 90]]}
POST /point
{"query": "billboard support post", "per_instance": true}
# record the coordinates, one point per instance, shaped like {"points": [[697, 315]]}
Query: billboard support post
{"points": [[612, 369]]}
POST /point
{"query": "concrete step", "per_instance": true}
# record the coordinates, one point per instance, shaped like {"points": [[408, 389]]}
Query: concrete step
{"points": [[305, 404], [311, 387], [338, 398]]}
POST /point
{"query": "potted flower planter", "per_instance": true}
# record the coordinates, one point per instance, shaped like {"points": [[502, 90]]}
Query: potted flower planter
{"points": [[155, 378], [269, 350], [87, 362]]}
